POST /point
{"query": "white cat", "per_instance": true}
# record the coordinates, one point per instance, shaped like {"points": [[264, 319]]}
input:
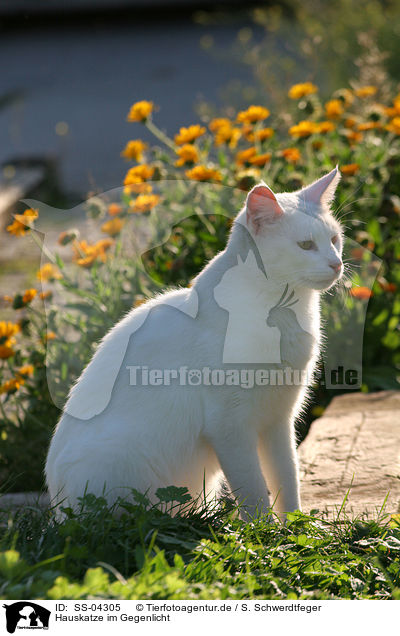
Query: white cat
{"points": [[143, 416]]}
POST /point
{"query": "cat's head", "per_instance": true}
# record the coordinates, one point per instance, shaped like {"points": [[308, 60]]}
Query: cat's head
{"points": [[299, 240]]}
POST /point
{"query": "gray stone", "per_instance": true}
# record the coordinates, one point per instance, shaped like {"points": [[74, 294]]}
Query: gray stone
{"points": [[354, 448]]}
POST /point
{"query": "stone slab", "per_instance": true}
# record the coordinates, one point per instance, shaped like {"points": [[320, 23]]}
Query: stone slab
{"points": [[354, 448]]}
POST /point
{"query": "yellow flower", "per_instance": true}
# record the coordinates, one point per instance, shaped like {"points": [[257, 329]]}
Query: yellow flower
{"points": [[303, 129], [219, 122], [227, 135], [27, 369], [138, 174], [366, 91], [112, 227], [22, 222], [394, 126], [140, 111], [253, 114], [134, 150], [187, 154], [301, 90], [243, 157], [145, 202], [291, 154], [7, 332], [29, 295], [188, 135], [48, 272], [350, 168], [325, 126], [202, 173], [334, 108], [114, 209], [10, 386], [257, 135], [260, 160]]}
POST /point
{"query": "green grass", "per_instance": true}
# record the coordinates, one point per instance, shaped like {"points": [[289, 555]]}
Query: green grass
{"points": [[146, 553]]}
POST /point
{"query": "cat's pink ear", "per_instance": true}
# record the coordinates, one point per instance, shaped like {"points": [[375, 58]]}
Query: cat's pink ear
{"points": [[262, 207], [323, 190]]}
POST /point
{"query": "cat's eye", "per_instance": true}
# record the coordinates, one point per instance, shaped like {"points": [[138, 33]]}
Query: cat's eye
{"points": [[335, 239], [307, 245]]}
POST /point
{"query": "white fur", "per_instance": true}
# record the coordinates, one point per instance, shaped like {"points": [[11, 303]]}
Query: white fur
{"points": [[113, 436]]}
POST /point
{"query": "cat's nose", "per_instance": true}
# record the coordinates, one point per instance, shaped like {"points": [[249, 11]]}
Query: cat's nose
{"points": [[336, 266]]}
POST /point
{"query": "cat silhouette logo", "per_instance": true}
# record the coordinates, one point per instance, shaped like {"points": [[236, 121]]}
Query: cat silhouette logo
{"points": [[26, 615]]}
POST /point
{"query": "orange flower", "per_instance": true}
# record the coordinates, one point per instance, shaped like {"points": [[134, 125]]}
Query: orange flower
{"points": [[388, 287], [140, 111], [362, 293], [27, 369], [134, 150], [10, 386], [50, 335], [259, 135], [28, 296], [145, 202], [369, 125], [187, 154], [6, 352], [350, 168], [353, 137], [86, 254], [324, 127], [291, 154], [138, 188], [394, 126], [114, 209], [244, 156], [253, 114], [366, 91], [334, 108], [112, 227], [261, 160], [350, 122], [219, 122], [202, 173], [303, 129], [8, 331], [227, 135], [302, 90], [46, 294], [138, 174], [48, 272], [188, 135], [22, 222]]}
